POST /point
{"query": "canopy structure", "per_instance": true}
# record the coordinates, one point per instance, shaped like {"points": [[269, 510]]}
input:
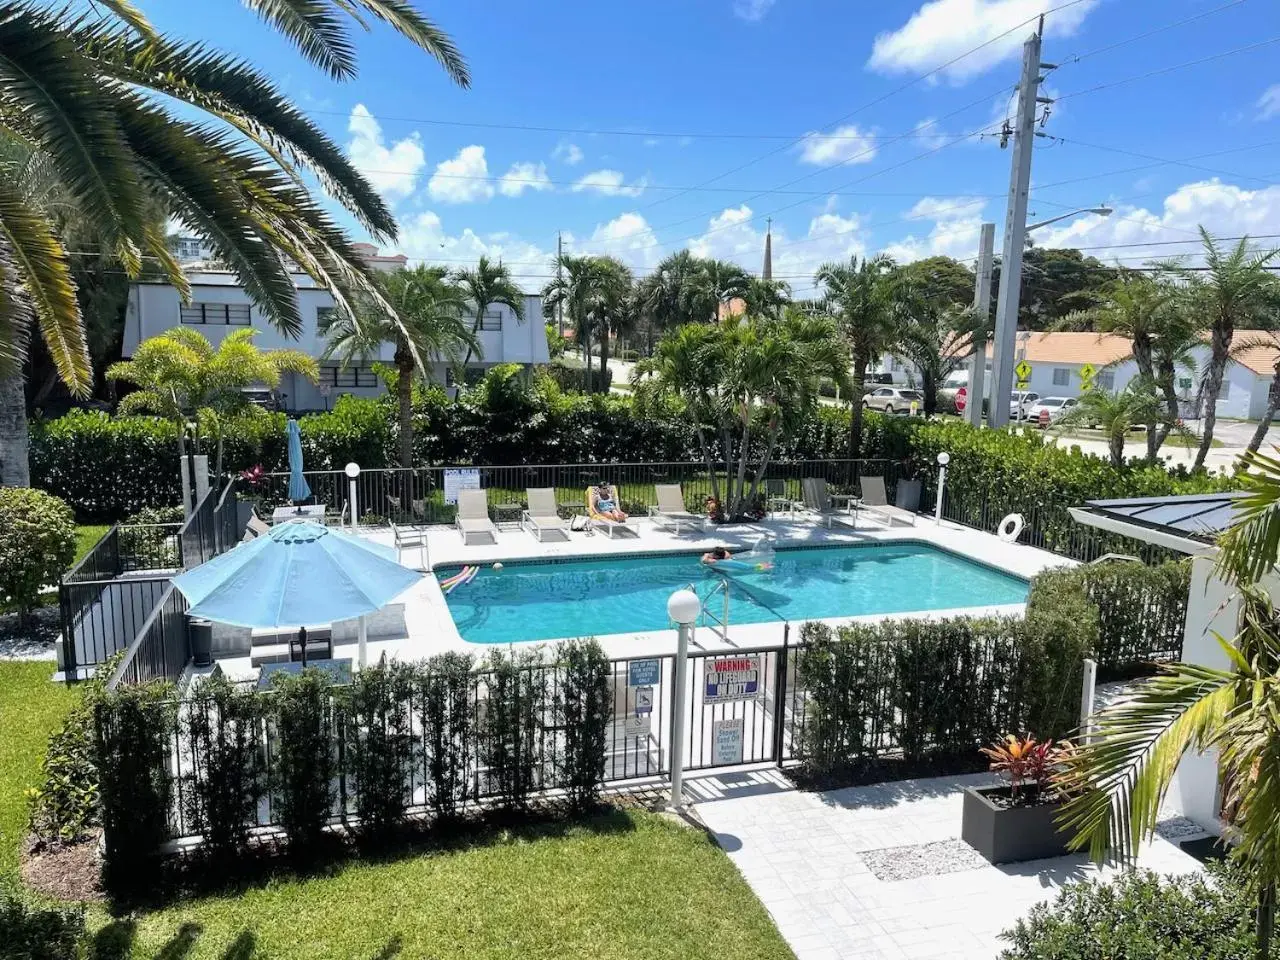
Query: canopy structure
{"points": [[300, 574], [1189, 524]]}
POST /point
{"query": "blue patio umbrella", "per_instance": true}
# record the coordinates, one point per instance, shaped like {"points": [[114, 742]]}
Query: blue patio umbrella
{"points": [[298, 487], [299, 574]]}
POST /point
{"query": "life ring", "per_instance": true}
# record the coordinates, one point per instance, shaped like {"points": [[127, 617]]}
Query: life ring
{"points": [[1010, 528]]}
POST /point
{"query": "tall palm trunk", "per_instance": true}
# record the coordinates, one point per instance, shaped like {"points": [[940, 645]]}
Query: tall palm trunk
{"points": [[475, 332], [14, 468], [1165, 378], [404, 402], [860, 361], [604, 355], [740, 485], [1220, 344], [1142, 360], [1273, 403], [1115, 443]]}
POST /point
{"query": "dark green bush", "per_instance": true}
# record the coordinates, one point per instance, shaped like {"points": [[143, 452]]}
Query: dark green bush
{"points": [[378, 730], [1142, 916], [34, 933], [1142, 609], [570, 374], [583, 709], [447, 694], [134, 728], [515, 715], [301, 714], [927, 690], [148, 538], [226, 777], [37, 544]]}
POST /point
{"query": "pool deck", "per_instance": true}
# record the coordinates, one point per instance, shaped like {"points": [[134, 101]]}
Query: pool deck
{"points": [[427, 627]]}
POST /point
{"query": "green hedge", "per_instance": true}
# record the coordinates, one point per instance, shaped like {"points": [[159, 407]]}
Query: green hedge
{"points": [[927, 691], [1142, 610]]}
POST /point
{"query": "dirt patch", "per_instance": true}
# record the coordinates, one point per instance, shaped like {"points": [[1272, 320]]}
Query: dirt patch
{"points": [[63, 871], [33, 639]]}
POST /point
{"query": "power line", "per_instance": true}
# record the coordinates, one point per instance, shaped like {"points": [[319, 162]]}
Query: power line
{"points": [[1161, 161], [1078, 57]]}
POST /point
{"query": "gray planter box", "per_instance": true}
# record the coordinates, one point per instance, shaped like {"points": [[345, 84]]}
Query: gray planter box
{"points": [[1010, 834]]}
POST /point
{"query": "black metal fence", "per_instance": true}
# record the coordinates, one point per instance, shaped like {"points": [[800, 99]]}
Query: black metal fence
{"points": [[162, 646], [418, 495]]}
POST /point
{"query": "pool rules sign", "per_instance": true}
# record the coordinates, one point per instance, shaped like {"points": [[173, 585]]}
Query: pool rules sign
{"points": [[733, 678]]}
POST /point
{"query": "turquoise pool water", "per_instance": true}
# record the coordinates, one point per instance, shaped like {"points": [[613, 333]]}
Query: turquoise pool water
{"points": [[596, 596]]}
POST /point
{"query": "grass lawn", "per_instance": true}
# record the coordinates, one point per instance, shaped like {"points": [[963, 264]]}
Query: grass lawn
{"points": [[619, 886], [31, 708], [86, 536]]}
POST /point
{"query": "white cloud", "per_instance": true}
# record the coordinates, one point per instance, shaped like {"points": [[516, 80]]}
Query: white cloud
{"points": [[570, 153], [845, 144], [930, 134], [392, 170], [752, 10], [461, 179], [944, 29], [736, 234], [629, 238], [1224, 209], [956, 224], [524, 176], [423, 238], [1269, 103], [609, 183]]}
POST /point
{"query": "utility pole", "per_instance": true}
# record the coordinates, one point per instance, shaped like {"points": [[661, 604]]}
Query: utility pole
{"points": [[982, 307], [1015, 228], [559, 277]]}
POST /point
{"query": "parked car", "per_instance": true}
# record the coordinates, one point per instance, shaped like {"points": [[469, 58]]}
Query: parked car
{"points": [[893, 400], [1054, 406], [1020, 404]]}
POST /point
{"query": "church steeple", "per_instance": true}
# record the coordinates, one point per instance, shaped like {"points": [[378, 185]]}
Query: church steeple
{"points": [[767, 272]]}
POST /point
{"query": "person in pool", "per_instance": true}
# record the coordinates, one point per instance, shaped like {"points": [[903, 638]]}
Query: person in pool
{"points": [[606, 506], [716, 554]]}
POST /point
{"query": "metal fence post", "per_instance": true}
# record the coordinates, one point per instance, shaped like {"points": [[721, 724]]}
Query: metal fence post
{"points": [[683, 607], [780, 696], [1087, 692]]}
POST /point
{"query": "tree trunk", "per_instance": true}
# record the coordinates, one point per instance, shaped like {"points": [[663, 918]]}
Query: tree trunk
{"points": [[1166, 377], [744, 451], [769, 446], [1142, 360], [1221, 346], [1116, 444], [1273, 403], [14, 468], [588, 386], [404, 403], [860, 361], [929, 385], [1266, 918], [711, 467], [475, 331], [604, 355]]}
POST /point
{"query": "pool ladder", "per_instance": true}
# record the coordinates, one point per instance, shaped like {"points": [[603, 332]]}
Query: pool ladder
{"points": [[722, 587]]}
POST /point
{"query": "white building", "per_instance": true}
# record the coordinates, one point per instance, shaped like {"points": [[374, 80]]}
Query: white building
{"points": [[219, 305]]}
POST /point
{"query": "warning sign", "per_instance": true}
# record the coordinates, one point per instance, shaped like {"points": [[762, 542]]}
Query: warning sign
{"points": [[1023, 370], [1086, 376], [733, 678]]}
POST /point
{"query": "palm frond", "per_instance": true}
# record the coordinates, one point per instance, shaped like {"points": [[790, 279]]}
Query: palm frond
{"points": [[315, 29], [45, 274], [1250, 547], [131, 16], [405, 19]]}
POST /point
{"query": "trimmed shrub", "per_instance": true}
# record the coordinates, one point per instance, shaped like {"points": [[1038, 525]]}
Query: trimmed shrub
{"points": [[570, 374], [37, 544], [1142, 610], [583, 707], [36, 933], [378, 730], [226, 778], [301, 713], [148, 537], [921, 691], [514, 725], [447, 694], [133, 732], [1142, 916]]}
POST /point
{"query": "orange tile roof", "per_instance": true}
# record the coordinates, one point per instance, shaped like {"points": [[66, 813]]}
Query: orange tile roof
{"points": [[1105, 348]]}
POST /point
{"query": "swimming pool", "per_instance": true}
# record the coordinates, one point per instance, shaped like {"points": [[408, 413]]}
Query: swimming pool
{"points": [[596, 596]]}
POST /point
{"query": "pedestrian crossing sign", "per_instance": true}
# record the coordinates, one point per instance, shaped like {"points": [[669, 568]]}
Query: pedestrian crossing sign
{"points": [[1023, 370]]}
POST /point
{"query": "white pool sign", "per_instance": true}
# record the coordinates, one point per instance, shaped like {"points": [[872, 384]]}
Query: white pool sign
{"points": [[732, 678], [726, 741], [637, 726], [455, 480], [643, 673], [644, 701]]}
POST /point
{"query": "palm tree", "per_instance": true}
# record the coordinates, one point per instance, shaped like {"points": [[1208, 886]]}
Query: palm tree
{"points": [[766, 298], [182, 378], [426, 323], [663, 297], [91, 93], [613, 303], [595, 292], [1235, 291], [860, 296], [1115, 413], [484, 286], [938, 335], [1125, 771], [714, 283]]}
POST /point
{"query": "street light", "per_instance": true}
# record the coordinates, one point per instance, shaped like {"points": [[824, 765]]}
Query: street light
{"points": [[683, 607], [352, 470], [1100, 211]]}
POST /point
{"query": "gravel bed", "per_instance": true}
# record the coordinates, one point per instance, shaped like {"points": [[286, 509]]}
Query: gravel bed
{"points": [[922, 860]]}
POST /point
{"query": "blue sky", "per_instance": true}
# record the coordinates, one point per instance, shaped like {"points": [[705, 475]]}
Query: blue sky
{"points": [[637, 99]]}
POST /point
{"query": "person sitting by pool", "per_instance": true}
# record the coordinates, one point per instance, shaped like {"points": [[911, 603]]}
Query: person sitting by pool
{"points": [[603, 502], [716, 554]]}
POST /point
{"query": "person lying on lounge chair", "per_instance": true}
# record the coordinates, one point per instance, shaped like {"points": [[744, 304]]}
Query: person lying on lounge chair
{"points": [[716, 554], [603, 503]]}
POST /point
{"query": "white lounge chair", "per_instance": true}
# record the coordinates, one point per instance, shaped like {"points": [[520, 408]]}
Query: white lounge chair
{"points": [[255, 528], [820, 502], [670, 511], [409, 538], [600, 522], [876, 501], [543, 516], [472, 519]]}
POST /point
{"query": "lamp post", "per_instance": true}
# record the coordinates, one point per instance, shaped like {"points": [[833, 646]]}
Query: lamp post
{"points": [[943, 459], [683, 607], [352, 470], [1100, 211]]}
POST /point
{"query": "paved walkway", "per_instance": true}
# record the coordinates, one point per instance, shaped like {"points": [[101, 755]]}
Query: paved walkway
{"points": [[880, 871]]}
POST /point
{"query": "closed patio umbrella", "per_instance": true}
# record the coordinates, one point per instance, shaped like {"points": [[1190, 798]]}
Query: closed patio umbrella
{"points": [[298, 574], [299, 489]]}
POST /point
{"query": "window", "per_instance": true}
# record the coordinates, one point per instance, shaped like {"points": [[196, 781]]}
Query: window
{"points": [[1061, 377], [335, 375], [324, 316], [491, 321], [1106, 379], [223, 314]]}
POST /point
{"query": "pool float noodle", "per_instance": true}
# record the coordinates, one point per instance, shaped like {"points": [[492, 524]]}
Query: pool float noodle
{"points": [[739, 566], [465, 576]]}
